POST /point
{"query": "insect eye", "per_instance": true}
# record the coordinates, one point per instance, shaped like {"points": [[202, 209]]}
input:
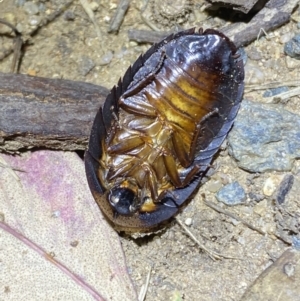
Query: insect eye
{"points": [[123, 200]]}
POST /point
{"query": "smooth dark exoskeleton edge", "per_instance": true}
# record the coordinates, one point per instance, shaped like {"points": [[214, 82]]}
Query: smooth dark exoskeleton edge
{"points": [[206, 148]]}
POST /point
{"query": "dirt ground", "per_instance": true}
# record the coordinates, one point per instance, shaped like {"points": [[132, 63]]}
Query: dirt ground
{"points": [[68, 48]]}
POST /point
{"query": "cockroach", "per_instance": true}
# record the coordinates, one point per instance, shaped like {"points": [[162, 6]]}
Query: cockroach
{"points": [[159, 128]]}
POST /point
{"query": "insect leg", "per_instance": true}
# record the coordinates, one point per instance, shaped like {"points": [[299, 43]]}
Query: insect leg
{"points": [[151, 184], [172, 171], [190, 175], [137, 105], [125, 145], [180, 150]]}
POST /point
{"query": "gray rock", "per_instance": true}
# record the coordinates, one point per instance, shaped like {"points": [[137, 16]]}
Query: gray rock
{"points": [[31, 8], [34, 20], [292, 47], [42, 7], [254, 54], [265, 137], [275, 91], [20, 2], [85, 65], [69, 15], [296, 242], [231, 194], [106, 58], [284, 188], [256, 197]]}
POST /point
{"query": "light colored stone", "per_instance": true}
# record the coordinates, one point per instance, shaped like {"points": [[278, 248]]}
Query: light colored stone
{"points": [[271, 184]]}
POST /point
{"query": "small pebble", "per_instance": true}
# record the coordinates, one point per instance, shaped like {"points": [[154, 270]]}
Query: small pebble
{"points": [[285, 37], [241, 240], [261, 208], [284, 188], [188, 221], [296, 242], [232, 194], [86, 65], [254, 54], [94, 6], [31, 72], [289, 269], [56, 214], [275, 91], [4, 29], [234, 221], [292, 63], [271, 184], [292, 47], [20, 27], [256, 197], [120, 54], [20, 2], [106, 58], [106, 19], [225, 179], [42, 7], [31, 8], [69, 15], [214, 185], [254, 74], [10, 18], [34, 20], [74, 243]]}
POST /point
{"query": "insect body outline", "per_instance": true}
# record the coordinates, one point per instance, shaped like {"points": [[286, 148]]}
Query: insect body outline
{"points": [[158, 129]]}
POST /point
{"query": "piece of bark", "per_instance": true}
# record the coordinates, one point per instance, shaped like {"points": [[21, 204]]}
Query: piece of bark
{"points": [[147, 36], [274, 14], [48, 113], [243, 6]]}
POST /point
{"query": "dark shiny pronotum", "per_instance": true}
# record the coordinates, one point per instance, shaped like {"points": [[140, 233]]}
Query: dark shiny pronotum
{"points": [[159, 128]]}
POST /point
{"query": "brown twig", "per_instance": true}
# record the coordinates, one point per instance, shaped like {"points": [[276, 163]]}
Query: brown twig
{"points": [[18, 42], [289, 83], [51, 113], [237, 5], [273, 15], [118, 17], [213, 255], [220, 210]]}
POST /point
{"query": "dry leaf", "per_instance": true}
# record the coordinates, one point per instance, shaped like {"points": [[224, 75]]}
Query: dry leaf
{"points": [[44, 196]]}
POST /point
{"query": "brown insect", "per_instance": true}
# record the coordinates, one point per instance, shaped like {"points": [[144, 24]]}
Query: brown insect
{"points": [[158, 130]]}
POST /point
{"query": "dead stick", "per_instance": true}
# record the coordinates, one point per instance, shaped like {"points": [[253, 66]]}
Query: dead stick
{"points": [[273, 15], [119, 16], [50, 113], [220, 210]]}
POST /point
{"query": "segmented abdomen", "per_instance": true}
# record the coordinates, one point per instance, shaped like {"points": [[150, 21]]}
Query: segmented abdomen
{"points": [[168, 111]]}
